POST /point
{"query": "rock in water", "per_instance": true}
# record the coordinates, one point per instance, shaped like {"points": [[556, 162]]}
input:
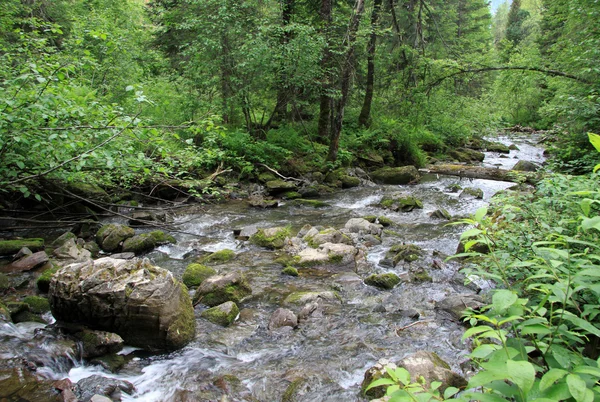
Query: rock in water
{"points": [[142, 303]]}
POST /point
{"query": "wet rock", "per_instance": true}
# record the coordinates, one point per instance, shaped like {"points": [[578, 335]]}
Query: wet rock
{"points": [[219, 289], [316, 387], [431, 367], [291, 271], [441, 214], [111, 388], [309, 203], [98, 343], [110, 362], [472, 192], [466, 155], [147, 241], [146, 217], [93, 248], [383, 281], [363, 226], [375, 373], [384, 221], [4, 313], [218, 257], [43, 282], [123, 256], [110, 236], [420, 275], [10, 247], [100, 398], [302, 298], [310, 256], [283, 318], [273, 238], [257, 201], [526, 166], [403, 253], [244, 233], [18, 384], [499, 147], [62, 239], [454, 188], [223, 314], [328, 253], [349, 181], [400, 202], [195, 274], [513, 147], [70, 252], [280, 186], [457, 304], [142, 303], [37, 304], [266, 177], [308, 310], [329, 235], [28, 262], [397, 175]]}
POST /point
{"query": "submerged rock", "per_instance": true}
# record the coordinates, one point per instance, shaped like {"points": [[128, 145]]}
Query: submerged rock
{"points": [[142, 303], [223, 314], [473, 192], [110, 236], [283, 317], [396, 175], [457, 304], [219, 289]]}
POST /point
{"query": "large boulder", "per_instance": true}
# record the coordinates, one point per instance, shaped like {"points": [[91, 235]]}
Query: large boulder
{"points": [[110, 236], [280, 186], [273, 238], [526, 166], [466, 155], [142, 303], [219, 289], [10, 247], [146, 241], [315, 238], [397, 175]]}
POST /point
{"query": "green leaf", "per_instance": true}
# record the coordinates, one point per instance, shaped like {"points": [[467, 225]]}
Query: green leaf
{"points": [[485, 377], [483, 397], [591, 370], [481, 212], [503, 299], [129, 88], [551, 377], [483, 351], [577, 387], [450, 391], [470, 233], [580, 322], [380, 382], [20, 164], [591, 223], [595, 140], [521, 373]]}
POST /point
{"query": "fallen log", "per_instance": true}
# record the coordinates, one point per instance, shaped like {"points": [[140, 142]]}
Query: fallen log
{"points": [[479, 172]]}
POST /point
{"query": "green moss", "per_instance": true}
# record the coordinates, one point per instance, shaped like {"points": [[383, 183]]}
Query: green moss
{"points": [[183, 329], [218, 257], [291, 271], [335, 258], [111, 362], [349, 181], [385, 222], [404, 252], [290, 393], [273, 238], [387, 203], [4, 282], [195, 274], [292, 195], [285, 260], [219, 315], [37, 304], [383, 281], [421, 276], [146, 241], [370, 218], [9, 247], [27, 316]]}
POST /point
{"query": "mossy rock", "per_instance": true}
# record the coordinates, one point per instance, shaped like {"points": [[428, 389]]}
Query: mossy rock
{"points": [[284, 260], [291, 271], [10, 247], [223, 314], [4, 282], [195, 274], [310, 203], [441, 214], [37, 304], [404, 203], [404, 252], [383, 281], [27, 316], [62, 239], [110, 236], [349, 181], [454, 188], [370, 218], [385, 222], [473, 192], [292, 195], [111, 362], [266, 177], [4, 313], [280, 186], [87, 190], [43, 282], [219, 289], [466, 155], [420, 276], [273, 238], [302, 298], [396, 175], [147, 241], [183, 329], [218, 257]]}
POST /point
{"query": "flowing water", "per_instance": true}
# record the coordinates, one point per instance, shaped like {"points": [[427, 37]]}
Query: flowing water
{"points": [[330, 350]]}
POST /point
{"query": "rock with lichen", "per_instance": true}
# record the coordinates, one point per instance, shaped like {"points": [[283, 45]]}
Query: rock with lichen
{"points": [[273, 238], [146, 241], [383, 281], [111, 236], [224, 314], [219, 289]]}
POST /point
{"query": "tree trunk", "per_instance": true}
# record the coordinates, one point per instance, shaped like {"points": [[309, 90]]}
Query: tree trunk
{"points": [[365, 113], [226, 92], [347, 68], [283, 91], [325, 99]]}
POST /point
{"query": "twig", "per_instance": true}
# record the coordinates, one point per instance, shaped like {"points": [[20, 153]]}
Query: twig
{"points": [[280, 175], [412, 324]]}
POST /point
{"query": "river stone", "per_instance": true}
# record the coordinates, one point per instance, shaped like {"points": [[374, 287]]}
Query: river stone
{"points": [[62, 239], [19, 384], [473, 192], [273, 238], [146, 241], [99, 343], [329, 235], [349, 181], [396, 175], [257, 201], [70, 252], [110, 236], [457, 304], [142, 303], [360, 225], [27, 263], [302, 298], [219, 289], [218, 257], [431, 367], [400, 202], [441, 214], [280, 186], [223, 314], [195, 274], [375, 373], [526, 166], [146, 217], [466, 155], [283, 317], [383, 281], [111, 388]]}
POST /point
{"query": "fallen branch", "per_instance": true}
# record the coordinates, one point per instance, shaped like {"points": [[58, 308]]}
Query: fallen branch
{"points": [[280, 175], [218, 172], [411, 325], [478, 172]]}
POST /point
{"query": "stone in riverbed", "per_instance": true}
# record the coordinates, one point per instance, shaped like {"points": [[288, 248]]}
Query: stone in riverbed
{"points": [[457, 304], [218, 257], [383, 281], [70, 252], [400, 202], [280, 186], [396, 175], [146, 241], [223, 314], [473, 192], [219, 289], [142, 303], [94, 385], [195, 274], [363, 226], [273, 238], [99, 343], [283, 317], [110, 236], [27, 263], [525, 166], [432, 368]]}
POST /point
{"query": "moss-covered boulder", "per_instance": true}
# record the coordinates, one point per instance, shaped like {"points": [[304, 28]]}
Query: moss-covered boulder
{"points": [[43, 282], [526, 166], [291, 195], [383, 281], [10, 247], [147, 241], [400, 202], [349, 181], [466, 155], [142, 303], [89, 191], [315, 237], [385, 221], [223, 314], [37, 304], [195, 274], [110, 362], [219, 289], [291, 271], [403, 253], [472, 192], [62, 239], [273, 238], [432, 368], [396, 175], [18, 384], [303, 297], [280, 186], [98, 343], [110, 236], [218, 257]]}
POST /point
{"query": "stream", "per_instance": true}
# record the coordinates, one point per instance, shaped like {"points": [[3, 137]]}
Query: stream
{"points": [[331, 349]]}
